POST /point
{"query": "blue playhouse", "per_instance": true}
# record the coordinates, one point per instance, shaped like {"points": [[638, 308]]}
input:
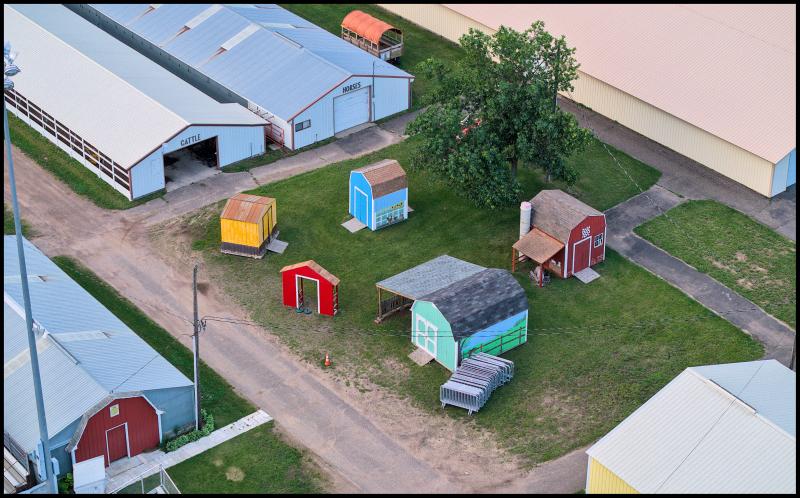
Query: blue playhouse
{"points": [[379, 194]]}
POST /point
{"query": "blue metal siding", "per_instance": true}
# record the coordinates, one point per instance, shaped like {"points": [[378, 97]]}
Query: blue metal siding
{"points": [[148, 175], [390, 96], [389, 200], [178, 407], [235, 142], [784, 174], [364, 215]]}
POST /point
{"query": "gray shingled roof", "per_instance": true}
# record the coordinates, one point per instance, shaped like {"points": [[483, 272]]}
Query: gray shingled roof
{"points": [[429, 276], [556, 213], [479, 301]]}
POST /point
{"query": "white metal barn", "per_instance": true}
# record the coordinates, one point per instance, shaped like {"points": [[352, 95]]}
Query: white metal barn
{"points": [[111, 108], [308, 83]]}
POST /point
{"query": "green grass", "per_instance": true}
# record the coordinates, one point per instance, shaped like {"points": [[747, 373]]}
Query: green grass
{"points": [[216, 395], [257, 462], [419, 43], [750, 258], [79, 178], [595, 352], [8, 223]]}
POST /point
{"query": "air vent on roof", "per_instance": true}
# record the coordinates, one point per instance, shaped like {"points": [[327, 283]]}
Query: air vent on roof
{"points": [[203, 16], [281, 25], [17, 279], [240, 36], [87, 335], [150, 8], [24, 357]]}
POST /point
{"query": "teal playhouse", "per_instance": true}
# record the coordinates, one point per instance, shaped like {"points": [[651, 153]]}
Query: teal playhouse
{"points": [[458, 308], [379, 194]]}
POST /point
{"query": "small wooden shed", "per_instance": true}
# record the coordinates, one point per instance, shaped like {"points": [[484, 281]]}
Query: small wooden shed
{"points": [[565, 235], [327, 286], [485, 312], [247, 224], [379, 194], [377, 37]]}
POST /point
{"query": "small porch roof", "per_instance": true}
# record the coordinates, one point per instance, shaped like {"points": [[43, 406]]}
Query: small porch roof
{"points": [[538, 246]]}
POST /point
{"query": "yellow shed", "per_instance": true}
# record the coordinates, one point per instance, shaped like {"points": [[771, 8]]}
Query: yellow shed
{"points": [[248, 224]]}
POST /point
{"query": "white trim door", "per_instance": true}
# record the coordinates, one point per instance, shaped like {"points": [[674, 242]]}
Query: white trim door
{"points": [[127, 442], [426, 335], [588, 241], [365, 203], [351, 109], [297, 291]]}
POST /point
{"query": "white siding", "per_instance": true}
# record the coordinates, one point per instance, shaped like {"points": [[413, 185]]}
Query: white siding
{"points": [[389, 96], [148, 175], [235, 142], [69, 151]]}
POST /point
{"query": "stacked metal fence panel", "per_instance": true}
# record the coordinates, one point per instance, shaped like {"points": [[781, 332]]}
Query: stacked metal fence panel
{"points": [[474, 381]]}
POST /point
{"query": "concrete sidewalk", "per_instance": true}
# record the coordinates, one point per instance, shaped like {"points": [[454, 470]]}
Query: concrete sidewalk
{"points": [[776, 337], [122, 472], [224, 185]]}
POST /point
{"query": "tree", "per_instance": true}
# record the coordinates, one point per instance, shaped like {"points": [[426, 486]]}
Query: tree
{"points": [[494, 110]]}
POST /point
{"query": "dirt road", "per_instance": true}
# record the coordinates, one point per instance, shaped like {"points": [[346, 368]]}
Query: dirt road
{"points": [[368, 442]]}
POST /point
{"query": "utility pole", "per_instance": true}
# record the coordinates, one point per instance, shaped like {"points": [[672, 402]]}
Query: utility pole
{"points": [[10, 69], [791, 362], [196, 350]]}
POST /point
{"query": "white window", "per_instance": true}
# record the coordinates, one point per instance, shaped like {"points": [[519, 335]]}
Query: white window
{"points": [[598, 240], [585, 232], [113, 411], [426, 335], [302, 125]]}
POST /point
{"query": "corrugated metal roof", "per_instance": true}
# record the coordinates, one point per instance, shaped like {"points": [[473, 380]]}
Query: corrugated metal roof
{"points": [[727, 69], [284, 67], [115, 98], [247, 208], [694, 436], [429, 276], [113, 360]]}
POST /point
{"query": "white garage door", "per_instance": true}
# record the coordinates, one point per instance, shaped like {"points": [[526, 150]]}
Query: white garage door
{"points": [[350, 109]]}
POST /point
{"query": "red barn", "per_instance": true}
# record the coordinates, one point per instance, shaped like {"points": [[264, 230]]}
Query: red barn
{"points": [[327, 287], [117, 427], [565, 235]]}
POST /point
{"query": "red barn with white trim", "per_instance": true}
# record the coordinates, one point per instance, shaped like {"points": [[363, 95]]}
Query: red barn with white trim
{"points": [[294, 296], [565, 234], [117, 427]]}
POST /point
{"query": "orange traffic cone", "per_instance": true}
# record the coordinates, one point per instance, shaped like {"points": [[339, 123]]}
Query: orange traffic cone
{"points": [[327, 360]]}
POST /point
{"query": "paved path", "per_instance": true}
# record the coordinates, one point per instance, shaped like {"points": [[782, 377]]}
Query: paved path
{"points": [[224, 185], [122, 472], [776, 337], [690, 178]]}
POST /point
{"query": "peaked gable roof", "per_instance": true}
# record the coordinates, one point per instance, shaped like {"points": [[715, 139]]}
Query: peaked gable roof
{"points": [[556, 213], [322, 272], [713, 429], [246, 207], [384, 177], [479, 301]]}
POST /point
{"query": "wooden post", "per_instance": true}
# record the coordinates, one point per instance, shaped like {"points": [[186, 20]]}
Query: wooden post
{"points": [[513, 260], [378, 319]]}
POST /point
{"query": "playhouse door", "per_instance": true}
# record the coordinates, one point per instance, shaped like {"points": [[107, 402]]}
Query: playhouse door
{"points": [[361, 207], [581, 254]]}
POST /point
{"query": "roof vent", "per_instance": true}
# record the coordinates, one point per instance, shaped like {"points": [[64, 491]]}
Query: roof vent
{"points": [[87, 335], [240, 37]]}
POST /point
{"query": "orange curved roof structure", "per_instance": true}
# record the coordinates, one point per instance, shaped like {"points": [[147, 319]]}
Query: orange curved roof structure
{"points": [[367, 26]]}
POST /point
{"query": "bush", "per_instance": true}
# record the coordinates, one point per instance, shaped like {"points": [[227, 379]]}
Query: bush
{"points": [[208, 427], [65, 484]]}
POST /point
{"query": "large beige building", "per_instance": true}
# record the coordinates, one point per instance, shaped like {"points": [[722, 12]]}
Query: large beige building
{"points": [[715, 83]]}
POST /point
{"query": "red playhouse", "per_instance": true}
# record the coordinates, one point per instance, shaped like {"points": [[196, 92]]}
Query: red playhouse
{"points": [[294, 277], [560, 233]]}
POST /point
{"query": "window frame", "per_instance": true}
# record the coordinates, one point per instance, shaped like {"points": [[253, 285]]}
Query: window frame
{"points": [[302, 125], [598, 240]]}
